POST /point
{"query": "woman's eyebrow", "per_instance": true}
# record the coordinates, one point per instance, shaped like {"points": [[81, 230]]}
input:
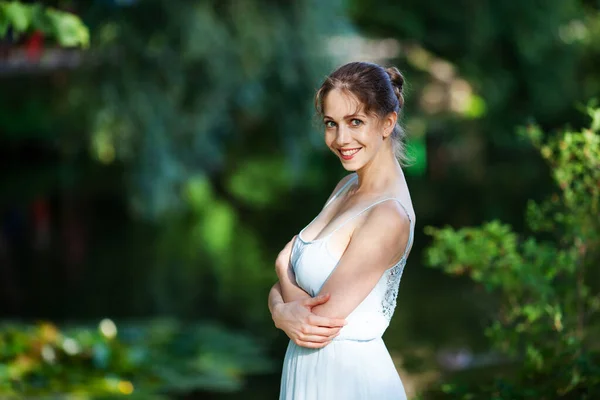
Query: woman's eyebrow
{"points": [[354, 116], [345, 117]]}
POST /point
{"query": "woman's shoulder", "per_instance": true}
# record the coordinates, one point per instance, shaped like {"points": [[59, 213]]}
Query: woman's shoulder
{"points": [[386, 224], [389, 211], [391, 207]]}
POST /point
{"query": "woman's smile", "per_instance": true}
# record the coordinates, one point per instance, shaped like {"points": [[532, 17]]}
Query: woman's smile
{"points": [[348, 154]]}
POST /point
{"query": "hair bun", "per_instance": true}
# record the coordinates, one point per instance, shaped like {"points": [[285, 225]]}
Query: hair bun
{"points": [[397, 83]]}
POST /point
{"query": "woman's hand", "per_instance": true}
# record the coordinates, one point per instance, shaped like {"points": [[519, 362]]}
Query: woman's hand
{"points": [[302, 326]]}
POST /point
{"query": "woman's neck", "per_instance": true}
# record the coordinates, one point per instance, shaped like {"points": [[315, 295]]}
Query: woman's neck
{"points": [[379, 173]]}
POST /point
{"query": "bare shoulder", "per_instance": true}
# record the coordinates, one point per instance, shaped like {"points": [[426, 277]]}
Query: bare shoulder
{"points": [[389, 217], [384, 227], [382, 235]]}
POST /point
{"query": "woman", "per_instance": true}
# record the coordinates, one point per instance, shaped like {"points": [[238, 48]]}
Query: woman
{"points": [[339, 277]]}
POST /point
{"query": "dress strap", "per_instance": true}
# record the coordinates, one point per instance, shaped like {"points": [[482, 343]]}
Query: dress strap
{"points": [[410, 234], [344, 186]]}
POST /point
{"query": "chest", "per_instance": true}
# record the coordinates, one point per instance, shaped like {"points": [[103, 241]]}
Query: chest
{"points": [[312, 263]]}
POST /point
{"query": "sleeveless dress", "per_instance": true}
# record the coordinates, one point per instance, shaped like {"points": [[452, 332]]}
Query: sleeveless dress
{"points": [[356, 364]]}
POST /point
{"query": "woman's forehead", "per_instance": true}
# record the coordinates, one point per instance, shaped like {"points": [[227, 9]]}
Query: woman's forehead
{"points": [[340, 103]]}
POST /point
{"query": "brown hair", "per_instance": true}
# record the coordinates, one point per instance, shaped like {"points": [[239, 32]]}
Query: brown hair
{"points": [[378, 89]]}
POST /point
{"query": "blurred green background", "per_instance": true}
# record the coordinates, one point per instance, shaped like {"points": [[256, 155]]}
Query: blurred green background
{"points": [[156, 155]]}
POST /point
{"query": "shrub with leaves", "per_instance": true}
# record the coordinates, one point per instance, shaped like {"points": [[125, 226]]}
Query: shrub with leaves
{"points": [[66, 28], [144, 360], [546, 284]]}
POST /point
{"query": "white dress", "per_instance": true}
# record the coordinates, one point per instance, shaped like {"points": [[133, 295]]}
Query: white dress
{"points": [[356, 364]]}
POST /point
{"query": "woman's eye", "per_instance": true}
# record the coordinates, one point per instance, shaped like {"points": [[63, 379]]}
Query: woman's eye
{"points": [[356, 122], [329, 124]]}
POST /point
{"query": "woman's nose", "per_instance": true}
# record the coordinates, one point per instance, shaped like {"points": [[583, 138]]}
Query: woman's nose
{"points": [[343, 136]]}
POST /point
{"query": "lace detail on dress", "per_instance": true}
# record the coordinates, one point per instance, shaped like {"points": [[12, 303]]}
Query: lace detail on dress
{"points": [[391, 292]]}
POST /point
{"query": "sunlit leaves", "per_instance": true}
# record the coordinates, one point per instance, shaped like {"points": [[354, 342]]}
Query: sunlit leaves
{"points": [[68, 29], [17, 15], [65, 27]]}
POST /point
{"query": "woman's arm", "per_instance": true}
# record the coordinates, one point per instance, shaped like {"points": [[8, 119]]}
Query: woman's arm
{"points": [[275, 299], [291, 308], [298, 322], [290, 290], [376, 244]]}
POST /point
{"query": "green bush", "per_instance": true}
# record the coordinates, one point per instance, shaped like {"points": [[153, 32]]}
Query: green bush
{"points": [[543, 284], [144, 359], [66, 28]]}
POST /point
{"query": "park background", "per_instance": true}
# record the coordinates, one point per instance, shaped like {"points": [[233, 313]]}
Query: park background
{"points": [[156, 155]]}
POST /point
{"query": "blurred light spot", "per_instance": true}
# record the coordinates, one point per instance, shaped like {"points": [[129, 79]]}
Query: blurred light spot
{"points": [[108, 32], [389, 48], [574, 31], [48, 332], [103, 147], [442, 70], [460, 95], [219, 228], [558, 322], [125, 387], [22, 363], [198, 192], [351, 47], [48, 354], [71, 346], [432, 98], [111, 383], [419, 58], [416, 127], [476, 107], [108, 328]]}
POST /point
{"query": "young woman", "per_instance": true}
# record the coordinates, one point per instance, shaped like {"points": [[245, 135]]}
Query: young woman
{"points": [[339, 277]]}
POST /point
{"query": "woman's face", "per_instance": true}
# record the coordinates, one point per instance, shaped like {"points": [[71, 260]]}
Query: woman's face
{"points": [[355, 137]]}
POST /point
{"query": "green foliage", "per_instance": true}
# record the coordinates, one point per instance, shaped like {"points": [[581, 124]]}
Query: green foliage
{"points": [[191, 105], [474, 71], [209, 250], [545, 285], [65, 27], [175, 102], [142, 359]]}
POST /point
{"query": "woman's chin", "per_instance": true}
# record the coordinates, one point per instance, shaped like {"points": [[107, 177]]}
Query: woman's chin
{"points": [[350, 166]]}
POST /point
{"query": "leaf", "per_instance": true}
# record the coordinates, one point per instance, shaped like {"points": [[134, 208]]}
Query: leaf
{"points": [[68, 29], [18, 15]]}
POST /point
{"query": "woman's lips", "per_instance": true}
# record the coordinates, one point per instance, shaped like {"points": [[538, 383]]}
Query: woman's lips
{"points": [[348, 154]]}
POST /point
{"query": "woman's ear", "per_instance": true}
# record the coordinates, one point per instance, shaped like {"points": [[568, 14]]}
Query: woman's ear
{"points": [[389, 122]]}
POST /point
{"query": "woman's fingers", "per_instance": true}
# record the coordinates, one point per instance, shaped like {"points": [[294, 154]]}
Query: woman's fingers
{"points": [[320, 330], [317, 320], [311, 345], [315, 301], [316, 338]]}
